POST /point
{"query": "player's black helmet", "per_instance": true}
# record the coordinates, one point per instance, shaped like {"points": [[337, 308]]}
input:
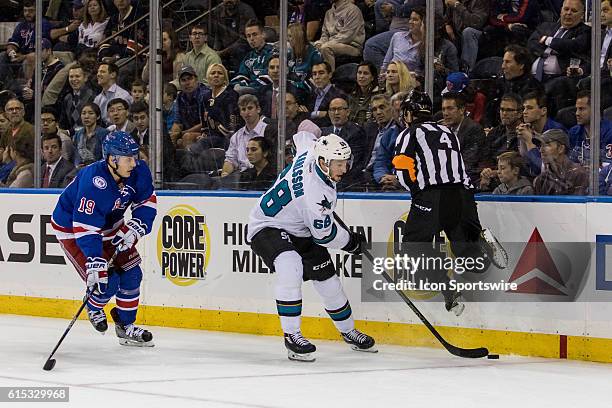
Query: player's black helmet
{"points": [[418, 103]]}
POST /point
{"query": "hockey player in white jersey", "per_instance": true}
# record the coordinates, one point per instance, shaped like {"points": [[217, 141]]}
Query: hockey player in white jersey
{"points": [[291, 228]]}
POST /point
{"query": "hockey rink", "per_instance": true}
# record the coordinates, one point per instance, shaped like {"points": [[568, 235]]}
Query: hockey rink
{"points": [[211, 369]]}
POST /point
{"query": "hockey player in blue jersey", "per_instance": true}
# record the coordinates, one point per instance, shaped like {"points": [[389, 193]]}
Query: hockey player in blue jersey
{"points": [[291, 228], [89, 223]]}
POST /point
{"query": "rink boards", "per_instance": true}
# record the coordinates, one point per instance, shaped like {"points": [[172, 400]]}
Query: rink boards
{"points": [[200, 273]]}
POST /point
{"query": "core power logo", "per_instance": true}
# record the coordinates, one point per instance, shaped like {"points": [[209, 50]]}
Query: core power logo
{"points": [[183, 245]]}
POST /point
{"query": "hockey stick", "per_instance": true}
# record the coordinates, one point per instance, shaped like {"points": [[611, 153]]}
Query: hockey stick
{"points": [[454, 350], [50, 363]]}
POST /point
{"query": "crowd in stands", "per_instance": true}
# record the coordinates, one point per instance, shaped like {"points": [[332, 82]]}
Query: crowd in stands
{"points": [[511, 79]]}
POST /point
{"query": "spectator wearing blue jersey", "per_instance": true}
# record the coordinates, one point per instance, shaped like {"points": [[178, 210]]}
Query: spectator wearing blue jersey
{"points": [[579, 135], [21, 46]]}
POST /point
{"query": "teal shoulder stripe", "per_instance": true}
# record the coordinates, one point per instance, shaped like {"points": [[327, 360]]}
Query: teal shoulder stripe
{"points": [[322, 176], [329, 238]]}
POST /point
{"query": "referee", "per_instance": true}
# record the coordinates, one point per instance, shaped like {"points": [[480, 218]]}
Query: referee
{"points": [[428, 162]]}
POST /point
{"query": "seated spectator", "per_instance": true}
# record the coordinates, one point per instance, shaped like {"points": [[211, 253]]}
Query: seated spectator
{"points": [[91, 30], [474, 101], [48, 127], [235, 156], [107, 79], [72, 103], [268, 94], [343, 32], [201, 56], [19, 126], [516, 67], [293, 118], [535, 113], [223, 112], [262, 174], [510, 22], [324, 92], [470, 134], [383, 150], [168, 105], [302, 57], [66, 34], [255, 63], [140, 117], [129, 41], [172, 58], [464, 24], [21, 150], [398, 78], [503, 137], [6, 163], [367, 87], [228, 25], [21, 46], [408, 46], [396, 105], [560, 175], [190, 108], [352, 133], [138, 91], [509, 166], [580, 138], [555, 43], [51, 65], [118, 113], [55, 168], [88, 140]]}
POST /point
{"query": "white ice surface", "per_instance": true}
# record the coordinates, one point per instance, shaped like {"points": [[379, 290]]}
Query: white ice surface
{"points": [[189, 368]]}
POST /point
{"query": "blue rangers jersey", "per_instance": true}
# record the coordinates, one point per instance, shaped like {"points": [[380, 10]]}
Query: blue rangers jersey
{"points": [[91, 208], [301, 201]]}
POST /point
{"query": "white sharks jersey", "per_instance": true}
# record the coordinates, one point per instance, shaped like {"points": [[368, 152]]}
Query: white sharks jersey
{"points": [[301, 201]]}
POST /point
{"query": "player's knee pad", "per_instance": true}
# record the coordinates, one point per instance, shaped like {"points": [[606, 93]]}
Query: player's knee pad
{"points": [[329, 288], [131, 278], [289, 273]]}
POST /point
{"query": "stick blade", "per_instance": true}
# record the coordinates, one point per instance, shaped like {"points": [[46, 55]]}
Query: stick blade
{"points": [[469, 353], [49, 364]]}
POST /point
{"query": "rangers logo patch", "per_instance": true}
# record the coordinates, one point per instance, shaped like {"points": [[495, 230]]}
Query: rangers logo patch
{"points": [[99, 182]]}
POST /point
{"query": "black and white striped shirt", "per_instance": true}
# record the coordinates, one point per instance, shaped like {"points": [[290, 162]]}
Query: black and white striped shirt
{"points": [[429, 154]]}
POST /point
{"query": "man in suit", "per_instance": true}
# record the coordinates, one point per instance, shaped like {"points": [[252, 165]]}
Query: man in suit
{"points": [[554, 44], [324, 92], [55, 168], [140, 116], [470, 134], [352, 133], [80, 94]]}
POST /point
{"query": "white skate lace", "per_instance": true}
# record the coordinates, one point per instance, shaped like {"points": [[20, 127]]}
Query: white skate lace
{"points": [[133, 331], [299, 339], [356, 336], [96, 316]]}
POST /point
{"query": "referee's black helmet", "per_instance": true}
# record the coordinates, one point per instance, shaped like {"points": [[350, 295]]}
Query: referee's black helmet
{"points": [[418, 103]]}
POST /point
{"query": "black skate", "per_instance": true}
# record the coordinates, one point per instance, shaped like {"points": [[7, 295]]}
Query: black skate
{"points": [[97, 318], [299, 348], [130, 335], [359, 341], [453, 303]]}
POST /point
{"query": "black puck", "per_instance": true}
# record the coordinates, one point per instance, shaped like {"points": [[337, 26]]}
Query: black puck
{"points": [[493, 356]]}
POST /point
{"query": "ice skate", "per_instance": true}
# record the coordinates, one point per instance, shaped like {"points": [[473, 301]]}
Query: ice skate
{"points": [[130, 335], [97, 318], [453, 303], [494, 250], [359, 341], [299, 348]]}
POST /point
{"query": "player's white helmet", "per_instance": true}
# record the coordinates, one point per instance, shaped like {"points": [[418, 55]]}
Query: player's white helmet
{"points": [[332, 147]]}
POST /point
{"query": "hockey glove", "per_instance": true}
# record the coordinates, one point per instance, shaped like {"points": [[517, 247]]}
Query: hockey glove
{"points": [[354, 244], [129, 234], [97, 274]]}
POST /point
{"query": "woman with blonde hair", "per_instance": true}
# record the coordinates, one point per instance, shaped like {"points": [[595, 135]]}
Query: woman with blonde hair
{"points": [[398, 78], [223, 113], [302, 56]]}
